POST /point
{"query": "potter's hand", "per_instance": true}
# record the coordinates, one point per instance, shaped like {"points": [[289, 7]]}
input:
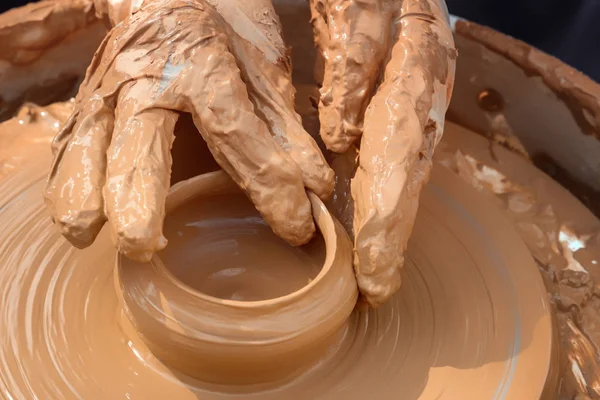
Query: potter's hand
{"points": [[400, 121], [112, 159]]}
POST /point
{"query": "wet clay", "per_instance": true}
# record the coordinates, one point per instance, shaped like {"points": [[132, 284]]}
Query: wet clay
{"points": [[27, 136], [563, 237], [241, 260], [471, 322], [180, 55], [492, 61], [223, 248], [276, 332], [225, 64]]}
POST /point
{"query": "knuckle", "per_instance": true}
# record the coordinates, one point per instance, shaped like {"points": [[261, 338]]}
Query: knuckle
{"points": [[364, 48], [339, 143], [327, 181], [286, 209], [320, 179]]}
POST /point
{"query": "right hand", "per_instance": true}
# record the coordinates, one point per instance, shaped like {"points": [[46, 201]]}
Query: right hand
{"points": [[112, 158], [388, 79]]}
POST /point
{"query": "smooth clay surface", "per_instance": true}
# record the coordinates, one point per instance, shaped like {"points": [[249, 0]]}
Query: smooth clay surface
{"points": [[222, 247], [279, 308], [472, 320]]}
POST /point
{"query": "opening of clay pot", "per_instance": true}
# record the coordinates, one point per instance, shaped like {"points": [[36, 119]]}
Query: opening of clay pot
{"points": [[227, 301], [220, 246]]}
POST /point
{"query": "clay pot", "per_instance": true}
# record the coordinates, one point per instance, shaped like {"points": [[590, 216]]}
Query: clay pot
{"points": [[237, 342]]}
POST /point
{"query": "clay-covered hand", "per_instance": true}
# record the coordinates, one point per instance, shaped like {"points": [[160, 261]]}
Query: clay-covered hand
{"points": [[112, 159], [389, 71]]}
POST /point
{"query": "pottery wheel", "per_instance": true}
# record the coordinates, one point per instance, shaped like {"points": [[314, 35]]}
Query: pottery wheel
{"points": [[471, 320]]}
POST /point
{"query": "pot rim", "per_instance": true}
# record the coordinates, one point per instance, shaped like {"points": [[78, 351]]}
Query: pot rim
{"points": [[219, 182]]}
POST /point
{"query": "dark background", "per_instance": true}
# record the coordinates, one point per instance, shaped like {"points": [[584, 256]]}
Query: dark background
{"points": [[567, 29]]}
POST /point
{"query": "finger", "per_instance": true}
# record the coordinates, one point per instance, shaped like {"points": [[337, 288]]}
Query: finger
{"points": [[355, 49], [272, 93], [403, 124], [74, 190], [318, 20], [289, 133], [242, 144], [138, 173]]}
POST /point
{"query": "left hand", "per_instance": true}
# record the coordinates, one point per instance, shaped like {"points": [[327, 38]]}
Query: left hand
{"points": [[408, 44], [113, 160]]}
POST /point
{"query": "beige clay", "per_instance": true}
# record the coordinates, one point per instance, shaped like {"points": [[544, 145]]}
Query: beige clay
{"points": [[472, 320], [70, 307], [250, 126]]}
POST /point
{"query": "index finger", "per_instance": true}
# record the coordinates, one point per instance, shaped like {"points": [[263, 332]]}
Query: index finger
{"points": [[353, 36]]}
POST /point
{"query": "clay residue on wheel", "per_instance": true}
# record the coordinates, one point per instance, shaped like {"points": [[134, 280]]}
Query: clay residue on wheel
{"points": [[563, 238], [65, 303], [580, 93], [28, 135]]}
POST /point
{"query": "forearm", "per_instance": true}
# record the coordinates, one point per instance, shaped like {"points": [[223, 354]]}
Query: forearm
{"points": [[422, 29]]}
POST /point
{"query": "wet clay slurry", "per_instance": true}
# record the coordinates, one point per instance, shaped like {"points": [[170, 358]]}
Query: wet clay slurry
{"points": [[263, 340], [223, 248], [471, 321]]}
